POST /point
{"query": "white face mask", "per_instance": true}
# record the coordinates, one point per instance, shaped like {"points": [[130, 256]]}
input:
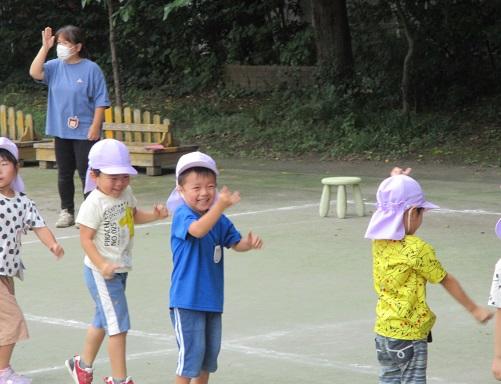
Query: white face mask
{"points": [[63, 52]]}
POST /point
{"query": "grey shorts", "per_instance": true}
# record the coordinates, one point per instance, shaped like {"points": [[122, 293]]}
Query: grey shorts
{"points": [[401, 361]]}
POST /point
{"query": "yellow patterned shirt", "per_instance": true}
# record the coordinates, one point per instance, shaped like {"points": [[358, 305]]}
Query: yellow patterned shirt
{"points": [[401, 270]]}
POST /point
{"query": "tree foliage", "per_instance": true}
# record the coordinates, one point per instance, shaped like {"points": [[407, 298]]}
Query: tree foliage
{"points": [[181, 45]]}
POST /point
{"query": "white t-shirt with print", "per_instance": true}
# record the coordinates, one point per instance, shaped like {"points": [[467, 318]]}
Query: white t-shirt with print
{"points": [[113, 220], [495, 295], [17, 215]]}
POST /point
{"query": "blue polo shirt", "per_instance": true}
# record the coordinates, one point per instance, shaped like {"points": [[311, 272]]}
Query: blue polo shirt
{"points": [[75, 90], [197, 280]]}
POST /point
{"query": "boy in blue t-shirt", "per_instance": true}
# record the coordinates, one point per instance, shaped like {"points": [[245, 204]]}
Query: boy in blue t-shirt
{"points": [[199, 232]]}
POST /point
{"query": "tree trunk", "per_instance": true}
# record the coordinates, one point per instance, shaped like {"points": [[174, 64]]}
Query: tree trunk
{"points": [[332, 36], [405, 83], [114, 58], [342, 39]]}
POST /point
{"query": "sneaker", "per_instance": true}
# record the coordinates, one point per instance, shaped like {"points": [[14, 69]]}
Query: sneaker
{"points": [[11, 377], [109, 380], [65, 219], [79, 375]]}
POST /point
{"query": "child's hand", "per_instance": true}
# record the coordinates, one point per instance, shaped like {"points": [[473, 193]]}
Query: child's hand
{"points": [[482, 315], [250, 242], [228, 198], [399, 171], [57, 250], [160, 211], [254, 242], [108, 270], [496, 368]]}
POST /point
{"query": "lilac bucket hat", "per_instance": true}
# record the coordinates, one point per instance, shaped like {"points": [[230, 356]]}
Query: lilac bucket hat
{"points": [[498, 228], [110, 156], [394, 196], [189, 160], [18, 184]]}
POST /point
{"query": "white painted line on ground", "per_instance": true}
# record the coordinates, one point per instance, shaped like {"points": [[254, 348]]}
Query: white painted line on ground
{"points": [[231, 345], [81, 325], [130, 356], [290, 208]]}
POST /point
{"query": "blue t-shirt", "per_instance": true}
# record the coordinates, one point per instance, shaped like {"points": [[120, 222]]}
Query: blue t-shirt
{"points": [[75, 90], [197, 281]]}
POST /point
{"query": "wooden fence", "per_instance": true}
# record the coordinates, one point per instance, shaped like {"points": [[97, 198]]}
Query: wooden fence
{"points": [[18, 126]]}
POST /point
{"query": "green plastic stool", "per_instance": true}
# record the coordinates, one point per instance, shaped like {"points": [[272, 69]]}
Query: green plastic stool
{"points": [[341, 183]]}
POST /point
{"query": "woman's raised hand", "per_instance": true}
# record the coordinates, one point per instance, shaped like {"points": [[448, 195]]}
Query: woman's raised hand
{"points": [[47, 38]]}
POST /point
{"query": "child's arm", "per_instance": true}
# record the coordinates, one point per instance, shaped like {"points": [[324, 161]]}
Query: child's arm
{"points": [[452, 286], [496, 362], [203, 225], [142, 217], [47, 238], [250, 242], [106, 268]]}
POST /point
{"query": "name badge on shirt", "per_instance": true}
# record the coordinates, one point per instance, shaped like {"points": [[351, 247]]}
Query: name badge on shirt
{"points": [[218, 254], [73, 122]]}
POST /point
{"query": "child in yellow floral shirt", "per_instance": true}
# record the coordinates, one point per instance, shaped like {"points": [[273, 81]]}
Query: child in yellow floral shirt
{"points": [[402, 265]]}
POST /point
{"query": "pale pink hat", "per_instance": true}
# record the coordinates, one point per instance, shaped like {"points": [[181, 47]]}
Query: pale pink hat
{"points": [[17, 184], [189, 160], [395, 195], [110, 156]]}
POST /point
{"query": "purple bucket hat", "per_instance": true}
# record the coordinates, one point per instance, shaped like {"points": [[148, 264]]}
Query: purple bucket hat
{"points": [[498, 228], [110, 156], [394, 196], [18, 184], [189, 160]]}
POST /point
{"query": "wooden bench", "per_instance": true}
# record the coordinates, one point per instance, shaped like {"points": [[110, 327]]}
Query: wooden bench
{"points": [[149, 140], [19, 128]]}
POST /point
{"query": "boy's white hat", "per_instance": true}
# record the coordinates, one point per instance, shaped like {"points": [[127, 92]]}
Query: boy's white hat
{"points": [[195, 159], [110, 156], [187, 161], [17, 184]]}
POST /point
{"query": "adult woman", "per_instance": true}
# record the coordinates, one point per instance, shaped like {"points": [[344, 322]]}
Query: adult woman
{"points": [[76, 102]]}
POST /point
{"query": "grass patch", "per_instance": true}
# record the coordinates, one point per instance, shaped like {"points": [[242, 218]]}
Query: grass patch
{"points": [[321, 123]]}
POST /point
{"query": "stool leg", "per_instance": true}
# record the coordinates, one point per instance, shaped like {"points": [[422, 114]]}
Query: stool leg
{"points": [[359, 202], [325, 201], [341, 201]]}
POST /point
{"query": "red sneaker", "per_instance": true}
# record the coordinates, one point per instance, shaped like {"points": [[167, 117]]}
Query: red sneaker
{"points": [[79, 375]]}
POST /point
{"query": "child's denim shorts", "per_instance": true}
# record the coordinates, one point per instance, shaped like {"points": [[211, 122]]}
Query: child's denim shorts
{"points": [[112, 312], [198, 337], [401, 361]]}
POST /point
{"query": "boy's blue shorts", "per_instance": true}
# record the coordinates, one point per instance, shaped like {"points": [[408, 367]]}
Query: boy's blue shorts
{"points": [[198, 337], [112, 312]]}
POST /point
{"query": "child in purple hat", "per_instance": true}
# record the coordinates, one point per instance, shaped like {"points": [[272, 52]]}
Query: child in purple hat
{"points": [[199, 232], [106, 220], [402, 265], [17, 215]]}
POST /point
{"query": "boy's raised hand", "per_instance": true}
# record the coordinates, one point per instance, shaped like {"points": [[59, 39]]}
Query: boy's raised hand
{"points": [[228, 198], [249, 242], [254, 241], [399, 171], [160, 211]]}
